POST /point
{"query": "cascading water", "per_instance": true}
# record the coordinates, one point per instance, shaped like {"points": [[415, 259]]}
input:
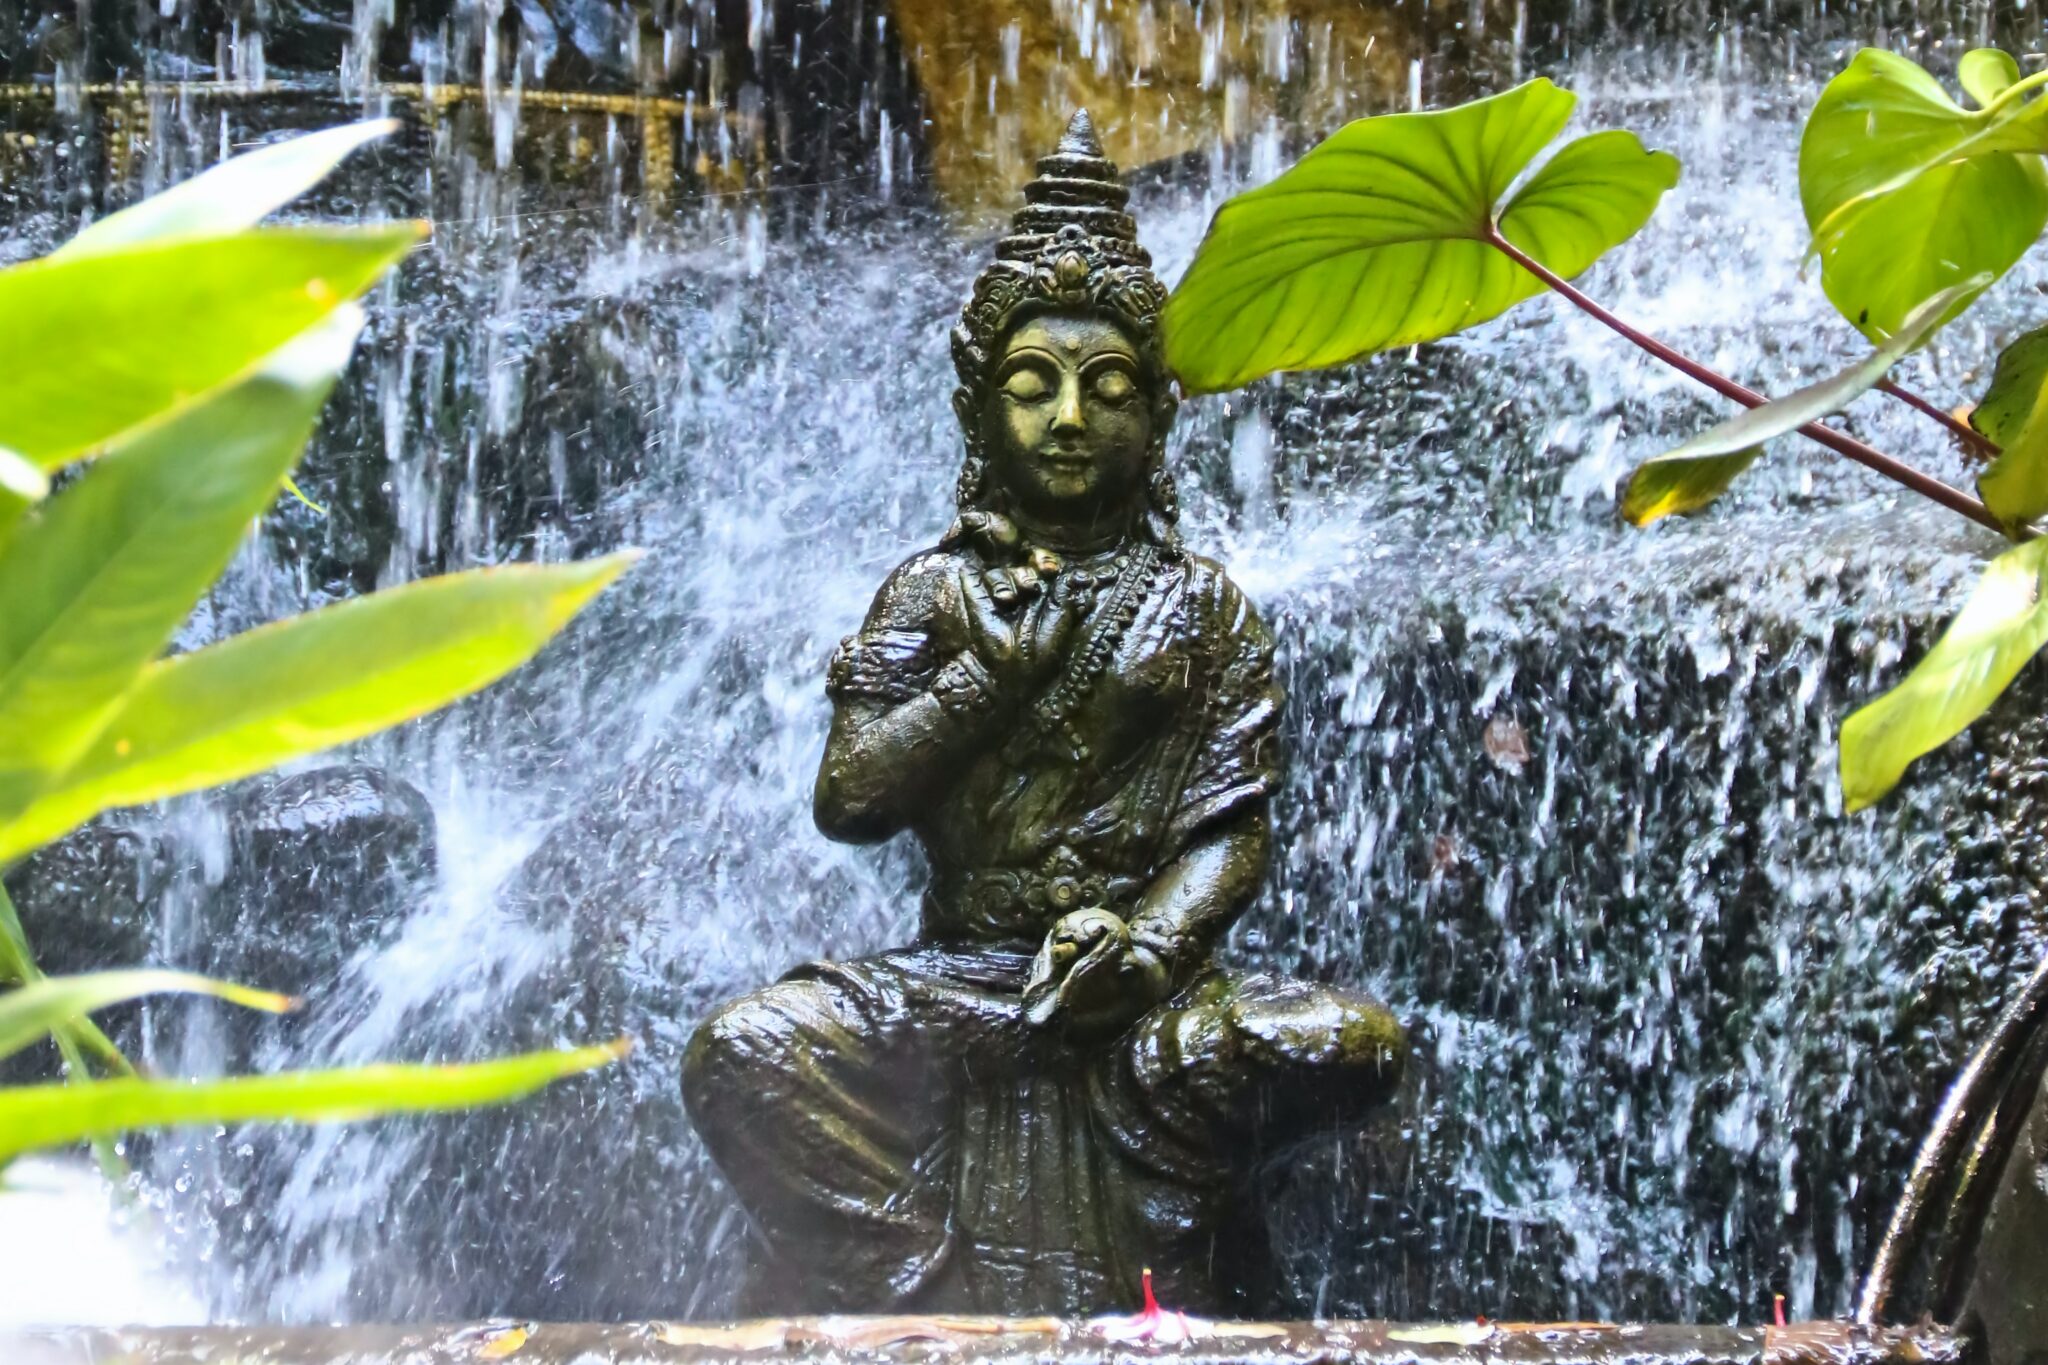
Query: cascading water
{"points": [[1562, 792]]}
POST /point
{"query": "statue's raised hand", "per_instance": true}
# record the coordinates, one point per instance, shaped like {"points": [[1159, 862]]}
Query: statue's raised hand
{"points": [[1016, 626]]}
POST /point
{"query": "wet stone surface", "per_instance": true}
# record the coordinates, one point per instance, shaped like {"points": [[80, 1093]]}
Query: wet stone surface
{"points": [[999, 1341]]}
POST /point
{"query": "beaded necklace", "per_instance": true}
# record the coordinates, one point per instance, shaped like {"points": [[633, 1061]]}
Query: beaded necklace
{"points": [[1053, 714]]}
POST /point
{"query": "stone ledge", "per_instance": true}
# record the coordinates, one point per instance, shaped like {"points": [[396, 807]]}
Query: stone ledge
{"points": [[1026, 1341]]}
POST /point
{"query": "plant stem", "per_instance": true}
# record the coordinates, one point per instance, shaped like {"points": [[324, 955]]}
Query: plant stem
{"points": [[1955, 499], [1976, 440]]}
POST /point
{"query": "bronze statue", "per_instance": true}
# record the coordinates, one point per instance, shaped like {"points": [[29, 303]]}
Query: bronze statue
{"points": [[1054, 1087]]}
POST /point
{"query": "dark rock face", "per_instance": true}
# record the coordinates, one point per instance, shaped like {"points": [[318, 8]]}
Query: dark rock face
{"points": [[317, 865], [320, 861]]}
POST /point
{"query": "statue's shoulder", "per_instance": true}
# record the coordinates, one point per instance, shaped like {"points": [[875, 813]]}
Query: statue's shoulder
{"points": [[1218, 602], [918, 589]]}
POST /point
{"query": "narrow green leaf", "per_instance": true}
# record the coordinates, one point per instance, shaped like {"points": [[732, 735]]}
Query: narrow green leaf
{"points": [[1377, 238], [18, 967], [102, 577], [41, 1007], [291, 486], [1908, 193], [98, 345], [1985, 73], [2014, 414], [2003, 625], [311, 682], [1693, 475], [40, 1116], [234, 195]]}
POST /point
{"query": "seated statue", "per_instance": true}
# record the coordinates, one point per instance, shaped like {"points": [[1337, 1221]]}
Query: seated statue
{"points": [[1053, 1088]]}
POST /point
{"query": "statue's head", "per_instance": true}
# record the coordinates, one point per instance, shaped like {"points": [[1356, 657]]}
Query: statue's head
{"points": [[1063, 397]]}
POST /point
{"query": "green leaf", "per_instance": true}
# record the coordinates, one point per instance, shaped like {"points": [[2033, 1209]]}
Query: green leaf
{"points": [[30, 1012], [102, 577], [232, 196], [39, 1116], [1908, 193], [18, 967], [1693, 475], [1378, 237], [2003, 625], [2014, 414], [1683, 480], [98, 345], [311, 682], [1985, 73]]}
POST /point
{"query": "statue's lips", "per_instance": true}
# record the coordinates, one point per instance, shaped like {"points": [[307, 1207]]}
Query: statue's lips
{"points": [[1067, 459]]}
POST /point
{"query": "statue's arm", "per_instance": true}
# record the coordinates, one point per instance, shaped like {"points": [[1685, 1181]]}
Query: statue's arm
{"points": [[1197, 897], [910, 710]]}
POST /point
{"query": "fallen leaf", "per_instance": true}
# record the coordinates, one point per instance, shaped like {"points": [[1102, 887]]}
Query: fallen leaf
{"points": [[768, 1334], [503, 1343], [1450, 1334], [1505, 743]]}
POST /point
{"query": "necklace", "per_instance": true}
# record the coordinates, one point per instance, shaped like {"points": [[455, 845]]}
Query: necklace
{"points": [[1128, 576]]}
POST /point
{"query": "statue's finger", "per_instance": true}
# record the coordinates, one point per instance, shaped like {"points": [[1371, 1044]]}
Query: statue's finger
{"points": [[982, 617]]}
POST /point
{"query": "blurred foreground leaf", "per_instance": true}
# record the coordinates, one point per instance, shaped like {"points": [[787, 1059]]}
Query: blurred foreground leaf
{"points": [[97, 345], [1693, 475], [234, 195], [308, 683], [2014, 414], [74, 1040], [54, 1115], [1378, 237], [98, 581], [2003, 625], [31, 1012], [1907, 193]]}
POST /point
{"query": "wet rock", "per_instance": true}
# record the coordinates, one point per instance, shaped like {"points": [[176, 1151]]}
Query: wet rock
{"points": [[319, 864], [88, 903]]}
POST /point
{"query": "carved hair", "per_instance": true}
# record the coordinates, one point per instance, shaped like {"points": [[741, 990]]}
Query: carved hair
{"points": [[1071, 249]]}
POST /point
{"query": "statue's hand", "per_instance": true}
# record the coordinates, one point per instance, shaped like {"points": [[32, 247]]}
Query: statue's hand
{"points": [[1016, 626], [1089, 979]]}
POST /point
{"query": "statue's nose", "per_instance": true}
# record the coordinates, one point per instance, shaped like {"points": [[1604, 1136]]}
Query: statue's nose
{"points": [[1069, 420]]}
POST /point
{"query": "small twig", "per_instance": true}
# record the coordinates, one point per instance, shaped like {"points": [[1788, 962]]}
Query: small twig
{"points": [[1976, 440], [1955, 499]]}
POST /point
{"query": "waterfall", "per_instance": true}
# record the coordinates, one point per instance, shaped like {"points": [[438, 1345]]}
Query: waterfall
{"points": [[1561, 792]]}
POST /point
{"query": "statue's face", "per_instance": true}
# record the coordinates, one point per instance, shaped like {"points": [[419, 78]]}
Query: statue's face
{"points": [[1069, 425]]}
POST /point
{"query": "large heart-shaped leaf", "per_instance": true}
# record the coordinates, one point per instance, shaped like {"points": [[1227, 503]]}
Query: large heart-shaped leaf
{"points": [[37, 1116], [1985, 73], [1908, 193], [41, 1007], [309, 683], [236, 194], [98, 345], [2003, 625], [1379, 237], [1693, 475], [101, 578], [2014, 414]]}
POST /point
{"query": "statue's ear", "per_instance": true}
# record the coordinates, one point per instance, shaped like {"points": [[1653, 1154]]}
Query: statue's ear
{"points": [[963, 408]]}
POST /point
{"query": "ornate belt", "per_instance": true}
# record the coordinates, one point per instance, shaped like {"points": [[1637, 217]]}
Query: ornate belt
{"points": [[1006, 902]]}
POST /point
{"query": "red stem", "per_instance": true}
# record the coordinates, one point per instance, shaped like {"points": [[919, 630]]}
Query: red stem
{"points": [[1955, 499], [1962, 431]]}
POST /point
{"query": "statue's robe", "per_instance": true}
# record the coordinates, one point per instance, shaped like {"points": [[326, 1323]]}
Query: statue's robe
{"points": [[897, 1130]]}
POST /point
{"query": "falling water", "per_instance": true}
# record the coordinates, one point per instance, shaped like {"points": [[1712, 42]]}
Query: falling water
{"points": [[1562, 792]]}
